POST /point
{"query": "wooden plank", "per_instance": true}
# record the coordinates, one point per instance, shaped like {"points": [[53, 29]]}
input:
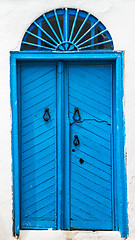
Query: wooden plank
{"points": [[67, 146], [15, 149], [60, 142]]}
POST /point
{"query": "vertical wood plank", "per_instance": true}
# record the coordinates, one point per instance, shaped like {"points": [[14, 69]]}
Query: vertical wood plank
{"points": [[67, 157], [115, 205], [60, 141], [112, 141], [15, 147], [120, 149]]}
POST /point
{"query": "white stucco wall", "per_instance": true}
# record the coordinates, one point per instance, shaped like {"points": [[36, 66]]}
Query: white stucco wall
{"points": [[15, 16]]}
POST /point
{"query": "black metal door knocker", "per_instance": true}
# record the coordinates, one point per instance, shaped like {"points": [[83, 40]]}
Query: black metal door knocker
{"points": [[76, 140], [46, 115], [76, 115]]}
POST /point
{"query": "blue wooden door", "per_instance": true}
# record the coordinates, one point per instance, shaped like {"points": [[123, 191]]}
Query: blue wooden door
{"points": [[38, 191], [90, 102], [75, 142]]}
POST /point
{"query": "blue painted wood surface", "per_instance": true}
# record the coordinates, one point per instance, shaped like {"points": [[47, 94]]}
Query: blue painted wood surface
{"points": [[119, 163], [38, 195], [90, 90], [60, 144], [15, 149]]}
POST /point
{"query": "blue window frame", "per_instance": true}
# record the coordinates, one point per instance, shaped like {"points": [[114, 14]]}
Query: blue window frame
{"points": [[119, 192], [67, 30]]}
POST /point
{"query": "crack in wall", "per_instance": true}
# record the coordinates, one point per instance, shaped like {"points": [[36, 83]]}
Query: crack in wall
{"points": [[91, 119]]}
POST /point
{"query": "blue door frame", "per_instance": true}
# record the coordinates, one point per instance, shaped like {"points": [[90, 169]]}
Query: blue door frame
{"points": [[120, 185]]}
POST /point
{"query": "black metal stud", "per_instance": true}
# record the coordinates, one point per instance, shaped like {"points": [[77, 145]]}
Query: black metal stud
{"points": [[81, 161]]}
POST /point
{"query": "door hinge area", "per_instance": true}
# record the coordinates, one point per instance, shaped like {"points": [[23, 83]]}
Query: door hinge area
{"points": [[14, 234]]}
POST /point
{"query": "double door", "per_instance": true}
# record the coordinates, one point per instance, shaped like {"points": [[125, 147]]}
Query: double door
{"points": [[66, 145]]}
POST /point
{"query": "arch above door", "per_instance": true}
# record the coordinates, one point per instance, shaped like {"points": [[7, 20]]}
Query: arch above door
{"points": [[67, 30]]}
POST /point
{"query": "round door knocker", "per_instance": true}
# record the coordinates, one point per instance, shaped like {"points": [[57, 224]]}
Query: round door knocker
{"points": [[76, 114], [46, 115]]}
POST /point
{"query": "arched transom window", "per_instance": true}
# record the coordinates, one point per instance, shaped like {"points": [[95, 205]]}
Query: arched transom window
{"points": [[66, 30]]}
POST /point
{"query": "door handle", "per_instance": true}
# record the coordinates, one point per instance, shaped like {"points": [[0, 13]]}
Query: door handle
{"points": [[76, 112], [46, 115], [76, 140]]}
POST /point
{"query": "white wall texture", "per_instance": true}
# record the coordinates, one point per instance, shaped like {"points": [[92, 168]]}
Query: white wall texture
{"points": [[15, 16]]}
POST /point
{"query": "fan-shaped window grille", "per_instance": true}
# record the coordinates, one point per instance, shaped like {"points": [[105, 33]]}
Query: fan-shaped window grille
{"points": [[66, 30]]}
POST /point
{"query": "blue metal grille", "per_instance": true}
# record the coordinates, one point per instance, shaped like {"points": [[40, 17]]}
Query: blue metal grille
{"points": [[67, 30]]}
